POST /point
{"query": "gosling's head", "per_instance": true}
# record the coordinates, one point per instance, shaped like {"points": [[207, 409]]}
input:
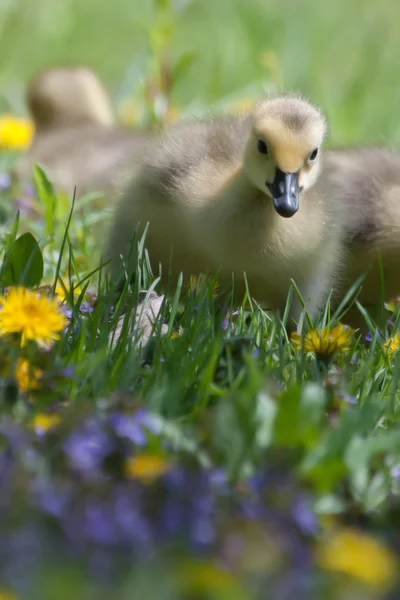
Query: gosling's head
{"points": [[282, 155], [68, 95]]}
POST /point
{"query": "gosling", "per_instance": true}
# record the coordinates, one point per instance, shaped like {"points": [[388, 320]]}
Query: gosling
{"points": [[76, 138], [239, 195]]}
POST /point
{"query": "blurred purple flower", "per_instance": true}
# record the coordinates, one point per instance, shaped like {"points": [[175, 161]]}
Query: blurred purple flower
{"points": [[85, 307], [69, 372], [202, 532], [349, 399], [128, 427], [173, 517], [395, 472], [52, 500], [99, 522], [25, 206], [368, 336], [133, 526], [218, 479], [66, 311], [88, 446], [304, 516], [5, 181], [148, 420], [30, 190], [20, 553], [14, 435]]}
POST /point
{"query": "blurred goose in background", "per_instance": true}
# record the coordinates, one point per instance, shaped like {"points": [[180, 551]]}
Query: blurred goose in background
{"points": [[239, 194], [76, 138]]}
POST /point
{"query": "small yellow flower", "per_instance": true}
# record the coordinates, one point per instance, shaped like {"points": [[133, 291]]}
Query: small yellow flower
{"points": [[201, 577], [15, 133], [359, 555], [35, 317], [43, 422], [197, 281], [7, 596], [63, 293], [324, 342], [28, 377], [242, 105], [270, 61], [392, 344], [131, 111], [146, 467]]}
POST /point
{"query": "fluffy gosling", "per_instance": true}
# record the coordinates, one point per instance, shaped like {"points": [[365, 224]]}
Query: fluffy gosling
{"points": [[238, 195], [76, 138]]}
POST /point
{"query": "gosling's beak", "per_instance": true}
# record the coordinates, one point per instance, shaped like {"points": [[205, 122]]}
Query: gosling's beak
{"points": [[285, 192]]}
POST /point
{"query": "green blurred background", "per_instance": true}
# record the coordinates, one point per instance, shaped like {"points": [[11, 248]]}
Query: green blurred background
{"points": [[344, 54]]}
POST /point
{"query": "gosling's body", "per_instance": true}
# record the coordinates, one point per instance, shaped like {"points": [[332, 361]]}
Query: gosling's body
{"points": [[207, 195], [365, 184], [76, 138]]}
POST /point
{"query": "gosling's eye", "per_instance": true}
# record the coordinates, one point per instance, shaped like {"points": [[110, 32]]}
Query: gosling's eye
{"points": [[313, 155], [262, 147]]}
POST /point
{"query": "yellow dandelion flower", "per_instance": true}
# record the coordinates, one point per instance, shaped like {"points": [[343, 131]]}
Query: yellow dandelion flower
{"points": [[392, 344], [201, 577], [131, 111], [15, 133], [64, 292], [43, 422], [28, 377], [359, 555], [7, 596], [37, 318], [146, 467], [271, 62], [197, 281], [324, 342], [243, 105]]}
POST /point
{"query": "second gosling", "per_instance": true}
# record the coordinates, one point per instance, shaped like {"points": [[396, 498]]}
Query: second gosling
{"points": [[239, 195], [76, 137]]}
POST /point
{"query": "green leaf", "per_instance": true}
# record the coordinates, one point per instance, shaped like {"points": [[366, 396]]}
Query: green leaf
{"points": [[24, 263], [287, 430], [300, 411], [47, 196], [334, 444]]}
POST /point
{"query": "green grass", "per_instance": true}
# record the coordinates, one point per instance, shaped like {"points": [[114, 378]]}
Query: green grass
{"points": [[267, 447]]}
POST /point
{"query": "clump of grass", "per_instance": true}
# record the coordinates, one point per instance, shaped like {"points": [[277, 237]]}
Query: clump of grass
{"points": [[185, 431]]}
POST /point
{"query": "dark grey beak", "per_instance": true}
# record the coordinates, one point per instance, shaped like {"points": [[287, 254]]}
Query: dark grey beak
{"points": [[285, 192]]}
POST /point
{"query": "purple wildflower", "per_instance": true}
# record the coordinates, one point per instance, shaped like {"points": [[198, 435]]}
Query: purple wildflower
{"points": [[349, 399], [395, 472], [149, 421], [127, 426], [88, 446], [85, 307], [304, 516], [5, 181]]}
